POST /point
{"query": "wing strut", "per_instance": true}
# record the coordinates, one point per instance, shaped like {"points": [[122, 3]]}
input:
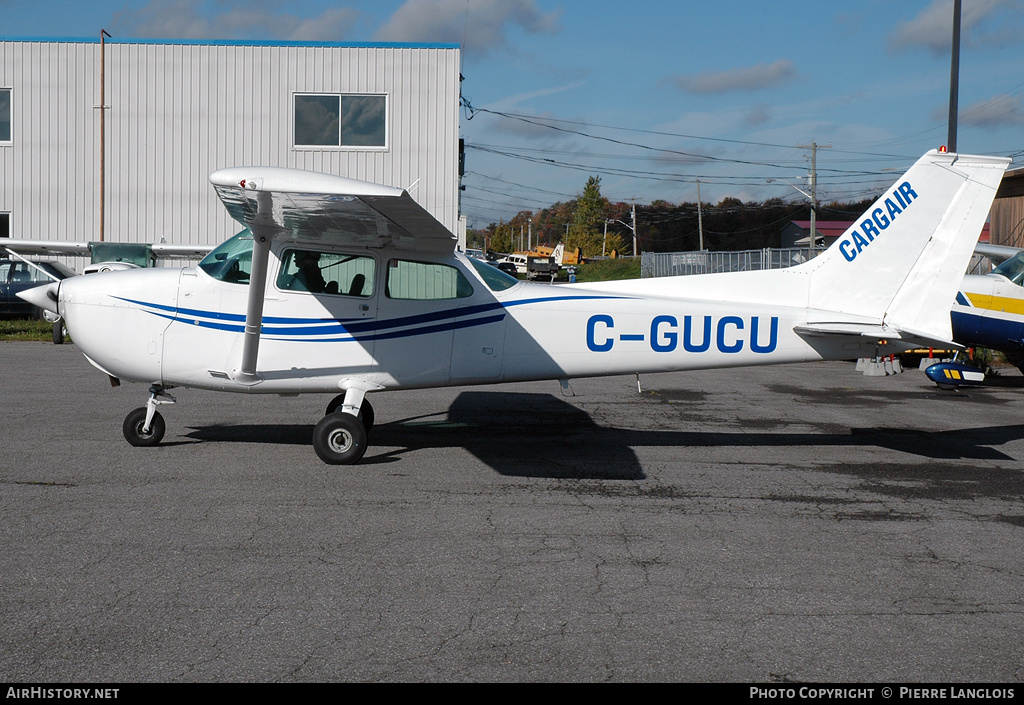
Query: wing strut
{"points": [[263, 232], [33, 265]]}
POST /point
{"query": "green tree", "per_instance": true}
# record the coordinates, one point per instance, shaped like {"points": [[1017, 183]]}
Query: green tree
{"points": [[586, 229], [498, 239], [549, 226], [505, 237]]}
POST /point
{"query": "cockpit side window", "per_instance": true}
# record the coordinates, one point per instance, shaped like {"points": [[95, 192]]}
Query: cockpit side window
{"points": [[327, 273], [231, 261]]}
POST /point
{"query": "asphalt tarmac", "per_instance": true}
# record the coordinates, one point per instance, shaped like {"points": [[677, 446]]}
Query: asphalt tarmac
{"points": [[799, 523]]}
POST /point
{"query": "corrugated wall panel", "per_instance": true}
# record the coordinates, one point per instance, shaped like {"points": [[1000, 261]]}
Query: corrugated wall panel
{"points": [[180, 111], [48, 175]]}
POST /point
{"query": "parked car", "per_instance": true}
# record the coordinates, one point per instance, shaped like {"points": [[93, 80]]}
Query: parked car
{"points": [[506, 267], [18, 276], [516, 260]]}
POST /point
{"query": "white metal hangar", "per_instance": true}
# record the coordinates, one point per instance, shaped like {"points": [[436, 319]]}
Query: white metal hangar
{"points": [[113, 139]]}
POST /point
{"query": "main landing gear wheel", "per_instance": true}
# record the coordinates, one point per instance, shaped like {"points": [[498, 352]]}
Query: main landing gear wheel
{"points": [[135, 422], [340, 439], [365, 410]]}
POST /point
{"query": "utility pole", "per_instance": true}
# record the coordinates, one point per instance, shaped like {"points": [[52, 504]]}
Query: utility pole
{"points": [[954, 79], [814, 147], [635, 252], [700, 218]]}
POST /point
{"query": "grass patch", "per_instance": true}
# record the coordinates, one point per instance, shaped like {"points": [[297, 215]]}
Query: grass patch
{"points": [[609, 269], [26, 329]]}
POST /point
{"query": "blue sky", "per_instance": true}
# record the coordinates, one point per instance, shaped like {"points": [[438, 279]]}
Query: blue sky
{"points": [[653, 95]]}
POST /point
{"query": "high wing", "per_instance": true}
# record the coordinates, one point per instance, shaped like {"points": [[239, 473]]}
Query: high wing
{"points": [[278, 203], [136, 253], [996, 253], [46, 247], [85, 249], [307, 205]]}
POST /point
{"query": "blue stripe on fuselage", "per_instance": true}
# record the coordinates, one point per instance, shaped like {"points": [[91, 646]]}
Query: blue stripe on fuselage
{"points": [[348, 329]]}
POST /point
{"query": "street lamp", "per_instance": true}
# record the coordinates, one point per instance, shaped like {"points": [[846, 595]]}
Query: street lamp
{"points": [[631, 227], [814, 205]]}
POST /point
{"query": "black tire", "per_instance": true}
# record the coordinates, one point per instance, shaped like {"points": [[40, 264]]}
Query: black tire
{"points": [[335, 404], [366, 415], [132, 428], [365, 410], [339, 439], [58, 333]]}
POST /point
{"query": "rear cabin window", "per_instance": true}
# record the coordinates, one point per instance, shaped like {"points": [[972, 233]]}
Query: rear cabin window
{"points": [[426, 281], [327, 273]]}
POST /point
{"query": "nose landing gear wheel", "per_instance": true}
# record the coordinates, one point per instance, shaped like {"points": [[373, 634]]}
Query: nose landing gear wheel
{"points": [[133, 428], [339, 439]]}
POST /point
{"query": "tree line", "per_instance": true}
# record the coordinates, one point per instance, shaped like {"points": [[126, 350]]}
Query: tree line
{"points": [[661, 226]]}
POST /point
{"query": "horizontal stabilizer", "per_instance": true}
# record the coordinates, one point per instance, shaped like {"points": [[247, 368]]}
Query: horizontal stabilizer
{"points": [[875, 332]]}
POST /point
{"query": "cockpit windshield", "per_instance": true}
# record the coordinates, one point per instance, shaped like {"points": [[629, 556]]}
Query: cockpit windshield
{"points": [[493, 277], [231, 261], [1012, 269]]}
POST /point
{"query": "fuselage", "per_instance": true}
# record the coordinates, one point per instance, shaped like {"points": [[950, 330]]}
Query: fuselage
{"points": [[395, 320], [989, 312], [345, 287]]}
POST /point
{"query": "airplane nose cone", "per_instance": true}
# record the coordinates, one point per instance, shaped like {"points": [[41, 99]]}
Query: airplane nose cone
{"points": [[45, 296]]}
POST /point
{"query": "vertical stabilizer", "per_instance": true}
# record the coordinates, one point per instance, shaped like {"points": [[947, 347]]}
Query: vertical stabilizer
{"points": [[558, 253], [901, 262]]}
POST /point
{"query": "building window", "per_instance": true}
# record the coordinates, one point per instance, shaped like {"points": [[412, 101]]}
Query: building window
{"points": [[323, 120], [5, 115], [5, 224]]}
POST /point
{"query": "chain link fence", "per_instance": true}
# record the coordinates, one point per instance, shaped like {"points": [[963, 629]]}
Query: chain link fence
{"points": [[671, 264]]}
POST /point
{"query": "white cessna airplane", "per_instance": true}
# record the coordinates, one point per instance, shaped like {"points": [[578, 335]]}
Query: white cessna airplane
{"points": [[344, 287]]}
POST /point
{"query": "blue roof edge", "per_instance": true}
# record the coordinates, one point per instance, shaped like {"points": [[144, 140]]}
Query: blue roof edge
{"points": [[235, 42]]}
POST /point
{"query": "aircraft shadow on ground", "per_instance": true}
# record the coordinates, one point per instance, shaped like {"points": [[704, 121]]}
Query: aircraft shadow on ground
{"points": [[539, 435], [521, 435]]}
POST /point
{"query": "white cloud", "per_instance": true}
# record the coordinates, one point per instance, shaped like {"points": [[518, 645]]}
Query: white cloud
{"points": [[932, 28], [742, 79], [480, 26], [191, 19]]}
